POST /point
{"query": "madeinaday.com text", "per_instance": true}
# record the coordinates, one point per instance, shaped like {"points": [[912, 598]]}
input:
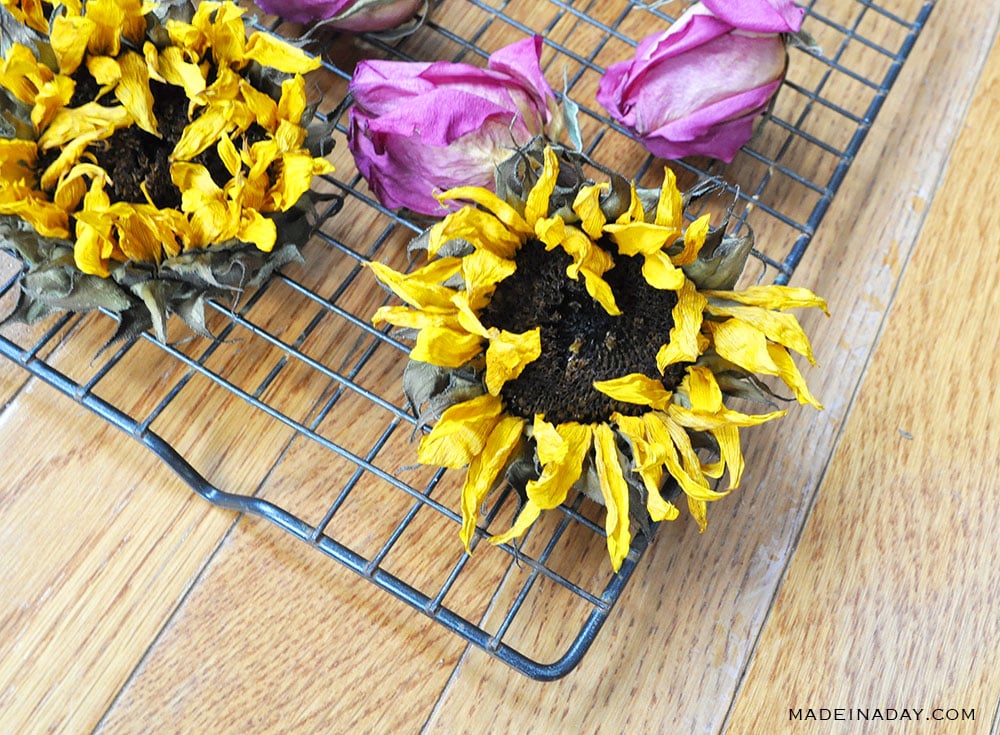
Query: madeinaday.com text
{"points": [[869, 714]]}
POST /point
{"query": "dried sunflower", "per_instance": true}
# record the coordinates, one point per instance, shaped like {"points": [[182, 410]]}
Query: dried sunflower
{"points": [[150, 154], [570, 333]]}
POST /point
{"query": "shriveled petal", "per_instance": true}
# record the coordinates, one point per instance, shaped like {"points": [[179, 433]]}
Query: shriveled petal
{"points": [[636, 388], [791, 376], [491, 202], [461, 433], [562, 461], [665, 435], [508, 355], [641, 238], [525, 519], [483, 230], [635, 212], [773, 297], [694, 240], [134, 93], [743, 344], [258, 229], [422, 288], [561, 450], [698, 421], [688, 313], [482, 271], [660, 273], [180, 72], [270, 51], [203, 131], [536, 205], [446, 347], [587, 206], [648, 464], [702, 390], [51, 97], [731, 453], [484, 470], [69, 39], [777, 326], [614, 489], [670, 207], [600, 291]]}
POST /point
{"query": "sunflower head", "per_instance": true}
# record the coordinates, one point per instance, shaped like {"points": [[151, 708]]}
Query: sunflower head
{"points": [[591, 333], [158, 147]]}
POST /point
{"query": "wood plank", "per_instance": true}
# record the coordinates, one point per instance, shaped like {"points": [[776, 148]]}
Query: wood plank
{"points": [[891, 599], [673, 653]]}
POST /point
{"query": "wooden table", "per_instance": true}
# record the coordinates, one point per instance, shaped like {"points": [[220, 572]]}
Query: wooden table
{"points": [[856, 570]]}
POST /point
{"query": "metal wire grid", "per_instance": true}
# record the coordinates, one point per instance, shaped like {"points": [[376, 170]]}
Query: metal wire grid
{"points": [[330, 436]]}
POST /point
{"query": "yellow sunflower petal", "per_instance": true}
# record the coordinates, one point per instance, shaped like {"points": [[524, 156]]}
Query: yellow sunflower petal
{"points": [[561, 450], [670, 207], [181, 72], [660, 273], [702, 390], [587, 205], [422, 288], [482, 270], [790, 374], [743, 344], [446, 347], [536, 205], [699, 421], [491, 202], [484, 470], [134, 93], [69, 39], [461, 433], [636, 388], [777, 326], [683, 466], [277, 54], [683, 344], [600, 291], [649, 466], [51, 97], [404, 316], [635, 212], [525, 519], [258, 229], [641, 238], [614, 489], [773, 297], [694, 240], [730, 452], [203, 131], [482, 229], [508, 355]]}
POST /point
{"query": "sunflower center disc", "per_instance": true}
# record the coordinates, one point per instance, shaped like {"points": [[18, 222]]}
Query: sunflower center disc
{"points": [[581, 342]]}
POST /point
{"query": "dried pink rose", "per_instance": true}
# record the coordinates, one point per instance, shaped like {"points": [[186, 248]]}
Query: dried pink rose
{"points": [[698, 87], [417, 129], [352, 16]]}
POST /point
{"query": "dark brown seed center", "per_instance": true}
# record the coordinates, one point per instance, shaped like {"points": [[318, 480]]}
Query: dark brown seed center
{"points": [[581, 342]]}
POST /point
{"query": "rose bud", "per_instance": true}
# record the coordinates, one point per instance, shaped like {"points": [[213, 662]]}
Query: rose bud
{"points": [[352, 16], [417, 129], [697, 88]]}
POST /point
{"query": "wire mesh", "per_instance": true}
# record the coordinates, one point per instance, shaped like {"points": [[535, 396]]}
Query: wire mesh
{"points": [[325, 450]]}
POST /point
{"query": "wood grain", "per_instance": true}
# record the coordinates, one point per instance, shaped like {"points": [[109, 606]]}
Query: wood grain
{"points": [[892, 596], [132, 604]]}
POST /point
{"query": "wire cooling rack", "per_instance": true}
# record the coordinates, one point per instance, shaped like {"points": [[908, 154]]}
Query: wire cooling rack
{"points": [[296, 408]]}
